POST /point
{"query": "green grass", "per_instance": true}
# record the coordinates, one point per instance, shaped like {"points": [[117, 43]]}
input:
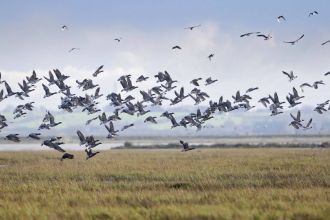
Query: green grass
{"points": [[167, 184]]}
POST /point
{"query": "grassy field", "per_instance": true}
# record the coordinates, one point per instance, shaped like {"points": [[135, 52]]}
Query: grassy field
{"points": [[167, 184]]}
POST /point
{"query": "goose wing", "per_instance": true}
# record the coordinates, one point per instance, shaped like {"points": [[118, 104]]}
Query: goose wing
{"points": [[8, 88], [298, 115], [46, 89], [173, 120], [97, 91], [286, 74], [309, 123], [123, 83], [300, 38], [51, 118], [276, 98], [295, 125], [195, 82], [182, 92], [238, 96], [81, 136], [107, 128], [112, 129], [261, 35], [104, 117], [294, 118], [129, 82], [58, 148], [199, 114], [193, 97], [185, 145], [295, 93], [21, 87]]}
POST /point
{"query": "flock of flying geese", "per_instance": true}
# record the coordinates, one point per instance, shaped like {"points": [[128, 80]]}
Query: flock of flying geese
{"points": [[155, 96]]}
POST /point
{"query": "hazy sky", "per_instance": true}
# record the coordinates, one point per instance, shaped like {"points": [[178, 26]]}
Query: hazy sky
{"points": [[32, 39]]}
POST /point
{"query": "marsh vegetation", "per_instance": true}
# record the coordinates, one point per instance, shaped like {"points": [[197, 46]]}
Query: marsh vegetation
{"points": [[167, 184]]}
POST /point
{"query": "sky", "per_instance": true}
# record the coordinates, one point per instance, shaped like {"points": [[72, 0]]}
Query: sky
{"points": [[32, 39]]}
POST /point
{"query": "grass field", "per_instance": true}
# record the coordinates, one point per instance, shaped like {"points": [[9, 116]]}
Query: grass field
{"points": [[167, 184]]}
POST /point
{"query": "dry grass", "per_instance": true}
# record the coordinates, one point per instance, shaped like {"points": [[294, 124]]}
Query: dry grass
{"points": [[167, 184]]}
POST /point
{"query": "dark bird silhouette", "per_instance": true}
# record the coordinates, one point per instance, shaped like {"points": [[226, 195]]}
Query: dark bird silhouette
{"points": [[191, 28], [185, 146], [67, 156]]}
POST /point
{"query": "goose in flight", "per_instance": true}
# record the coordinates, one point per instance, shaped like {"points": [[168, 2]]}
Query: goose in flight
{"points": [[197, 99], [210, 56], [279, 17], [55, 146], [44, 126], [111, 128], [167, 114], [296, 97], [326, 42], [186, 146], [91, 143], [33, 79], [194, 81], [308, 126], [9, 91], [181, 96], [74, 48], [34, 136], [251, 89], [81, 138], [173, 121], [264, 101], [303, 85], [318, 82], [19, 115], [291, 101], [313, 13], [209, 81], [265, 37], [295, 124], [176, 47], [291, 76], [13, 137], [127, 126], [99, 70], [275, 112], [90, 120], [96, 95], [297, 119], [248, 34], [118, 39], [90, 154], [327, 73], [51, 79], [142, 78], [67, 156], [48, 93], [294, 42], [246, 105], [140, 109], [52, 120], [151, 119], [191, 28], [320, 109], [64, 27], [103, 118]]}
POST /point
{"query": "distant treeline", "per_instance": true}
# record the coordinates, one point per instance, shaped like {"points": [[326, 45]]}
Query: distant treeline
{"points": [[129, 145]]}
